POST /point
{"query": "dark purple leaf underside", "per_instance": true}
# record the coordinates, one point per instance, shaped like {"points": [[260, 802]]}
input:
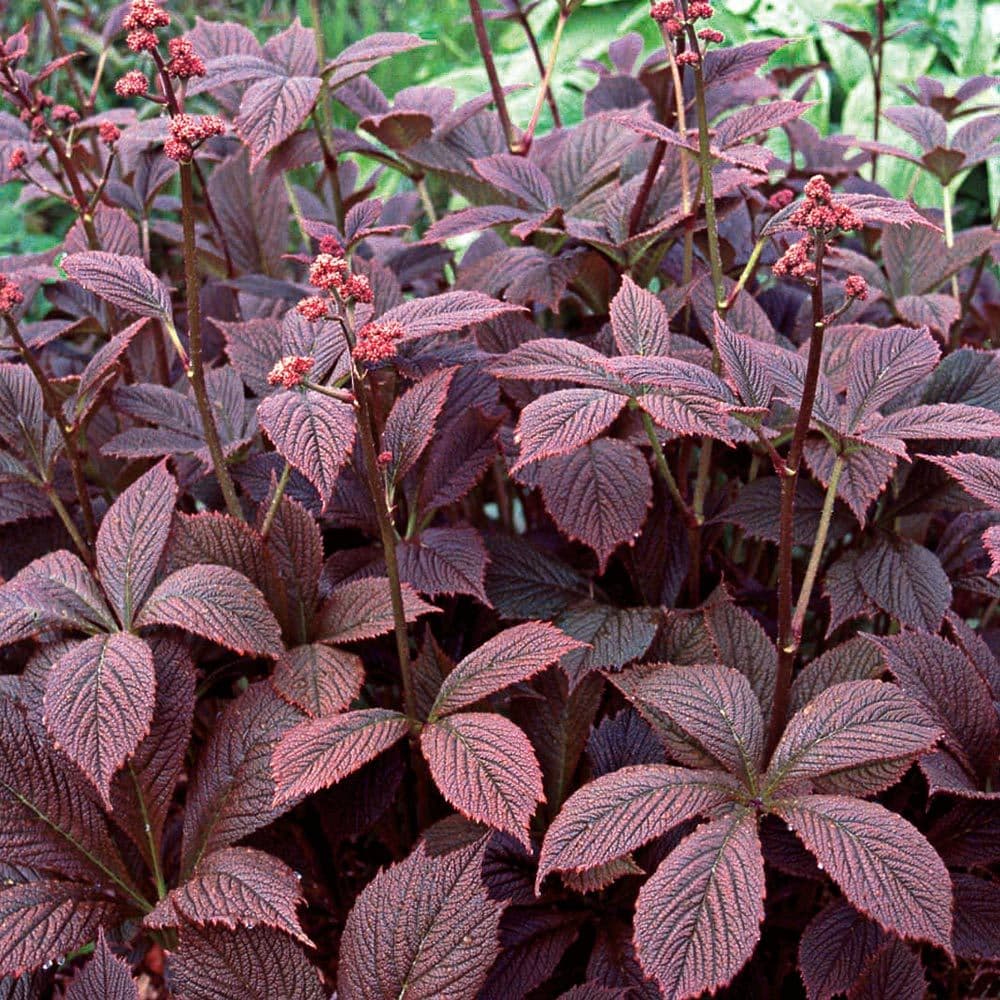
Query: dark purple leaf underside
{"points": [[445, 561]]}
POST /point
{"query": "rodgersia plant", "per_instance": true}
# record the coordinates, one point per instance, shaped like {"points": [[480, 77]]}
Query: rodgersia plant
{"points": [[571, 575]]}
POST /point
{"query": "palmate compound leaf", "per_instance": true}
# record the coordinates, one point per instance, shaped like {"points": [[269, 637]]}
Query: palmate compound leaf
{"points": [[697, 919], [639, 321], [99, 703], [123, 281], [215, 963], [105, 976], [320, 752], [855, 738], [486, 768], [883, 865], [446, 312], [312, 432], [218, 603], [410, 424], [514, 655], [560, 422], [623, 810], [362, 609], [49, 917], [132, 538], [598, 495], [425, 928], [321, 680], [235, 887]]}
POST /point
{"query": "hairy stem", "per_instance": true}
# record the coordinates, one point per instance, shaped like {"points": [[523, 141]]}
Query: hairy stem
{"points": [[196, 362], [496, 88]]}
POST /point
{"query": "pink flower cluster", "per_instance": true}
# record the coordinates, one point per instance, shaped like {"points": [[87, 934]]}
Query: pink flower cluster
{"points": [[376, 341], [820, 212], [313, 308], [109, 133], [189, 131], [143, 17], [10, 294], [797, 261], [132, 84], [290, 371], [665, 12], [17, 160], [781, 199], [332, 273], [184, 61], [855, 287]]}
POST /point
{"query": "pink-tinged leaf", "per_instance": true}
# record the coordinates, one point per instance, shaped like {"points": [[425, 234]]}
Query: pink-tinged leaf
{"points": [[760, 118], [884, 365], [100, 370], [22, 412], [486, 768], [105, 976], [906, 581], [369, 51], [439, 923], [252, 964], [991, 542], [517, 177], [232, 791], [639, 321], [562, 421], [318, 679], [939, 312], [123, 281], [411, 421], [834, 949], [293, 49], [445, 561], [894, 972], [951, 421], [446, 312], [272, 109], [848, 730], [625, 809], [362, 609], [217, 603], [99, 704], [320, 752], [50, 817], [614, 637], [977, 474], [312, 432], [252, 348], [132, 538], [883, 865], [745, 371], [598, 495], [697, 920], [515, 655], [865, 476], [977, 918], [854, 660], [472, 220], [557, 360], [872, 209], [48, 917], [235, 887]]}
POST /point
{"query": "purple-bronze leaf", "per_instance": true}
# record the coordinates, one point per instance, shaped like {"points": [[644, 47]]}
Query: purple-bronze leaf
{"points": [[440, 924], [978, 475], [882, 863], [446, 312], [410, 424], [697, 920], [312, 432], [248, 963], [318, 753], [625, 809], [848, 729], [834, 948], [639, 321], [362, 609], [104, 977], [234, 887], [977, 917], [321, 680], [272, 109], [218, 603], [894, 972], [557, 360], [99, 704], [132, 538], [514, 655], [123, 281], [445, 561], [486, 768]]}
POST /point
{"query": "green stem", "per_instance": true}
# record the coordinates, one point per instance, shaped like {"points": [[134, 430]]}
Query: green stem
{"points": [[664, 467], [525, 142], [272, 510], [949, 241], [60, 508], [748, 270], [154, 854]]}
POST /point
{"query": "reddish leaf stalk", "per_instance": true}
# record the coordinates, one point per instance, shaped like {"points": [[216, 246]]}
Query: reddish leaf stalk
{"points": [[876, 66]]}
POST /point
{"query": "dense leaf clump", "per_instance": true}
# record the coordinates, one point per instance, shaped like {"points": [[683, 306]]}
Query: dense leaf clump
{"points": [[446, 559]]}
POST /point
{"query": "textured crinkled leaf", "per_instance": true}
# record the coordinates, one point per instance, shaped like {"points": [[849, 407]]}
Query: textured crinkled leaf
{"points": [[46, 918], [938, 312], [215, 963], [319, 752], [313, 432], [517, 177], [523, 581], [123, 281], [319, 679], [599, 494], [620, 811], [639, 321], [472, 220], [978, 475], [977, 917], [883, 864], [557, 360], [272, 109], [514, 655], [446, 312], [22, 413], [411, 421], [362, 609], [906, 581], [744, 370], [562, 421], [132, 538], [362, 55], [854, 660], [697, 920], [218, 603], [922, 123], [846, 729], [234, 887], [873, 209], [865, 475], [252, 348], [440, 924], [219, 540], [445, 561], [231, 792], [101, 369], [614, 637], [105, 976], [834, 948], [99, 704], [951, 421], [486, 768], [894, 972], [759, 118]]}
